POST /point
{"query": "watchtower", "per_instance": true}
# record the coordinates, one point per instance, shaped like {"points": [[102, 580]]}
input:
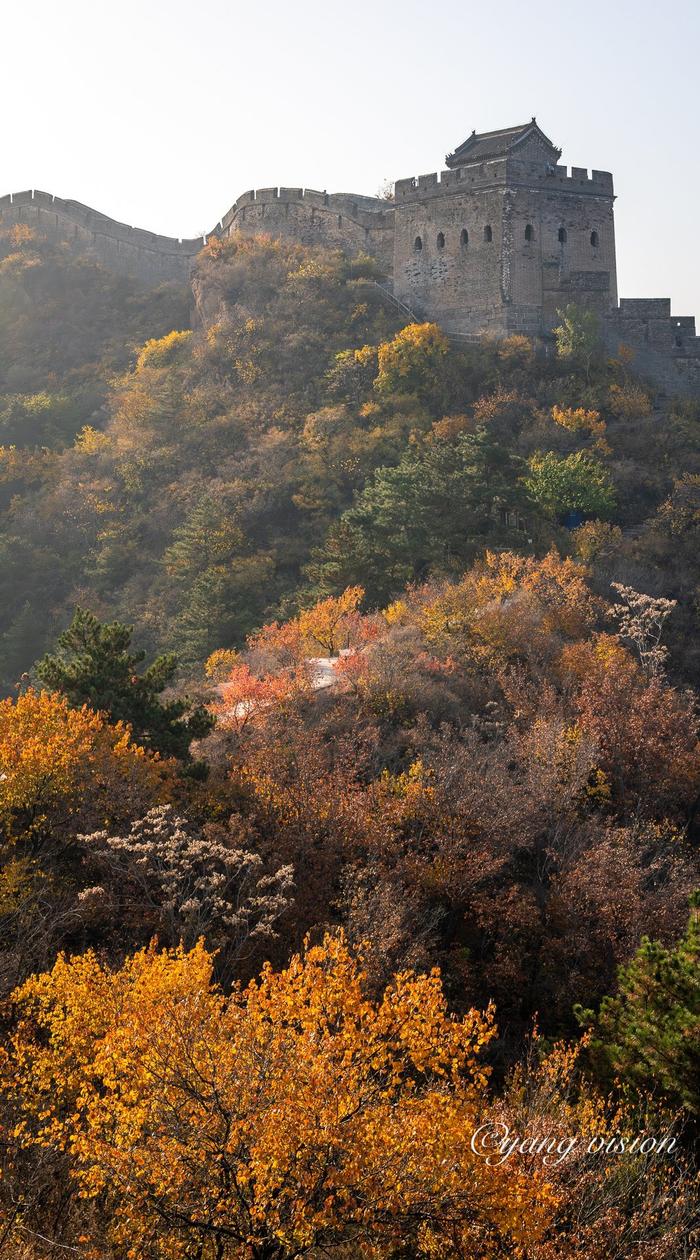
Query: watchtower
{"points": [[505, 236]]}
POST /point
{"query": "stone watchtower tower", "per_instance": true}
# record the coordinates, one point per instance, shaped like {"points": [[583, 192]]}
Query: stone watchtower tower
{"points": [[505, 236]]}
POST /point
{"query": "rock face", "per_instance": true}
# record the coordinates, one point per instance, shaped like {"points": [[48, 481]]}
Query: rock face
{"points": [[495, 244]]}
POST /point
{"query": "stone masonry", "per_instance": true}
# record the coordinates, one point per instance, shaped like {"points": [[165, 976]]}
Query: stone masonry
{"points": [[504, 237], [495, 244]]}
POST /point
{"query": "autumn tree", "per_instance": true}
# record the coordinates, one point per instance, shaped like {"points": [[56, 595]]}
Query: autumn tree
{"points": [[330, 622], [296, 1114], [583, 420], [597, 540], [412, 362], [62, 770], [508, 605], [219, 662], [243, 695], [629, 401], [63, 765], [277, 665], [646, 732]]}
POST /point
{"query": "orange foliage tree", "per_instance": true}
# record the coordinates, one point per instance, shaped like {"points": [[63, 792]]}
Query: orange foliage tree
{"points": [[243, 694], [509, 604], [333, 623], [60, 765], [580, 420], [275, 666], [297, 1114]]}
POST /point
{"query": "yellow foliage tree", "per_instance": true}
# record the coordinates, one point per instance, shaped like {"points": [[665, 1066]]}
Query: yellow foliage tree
{"points": [[330, 623], [629, 401], [219, 664], [508, 604], [298, 1114], [55, 761], [161, 351], [596, 539], [411, 362], [579, 420]]}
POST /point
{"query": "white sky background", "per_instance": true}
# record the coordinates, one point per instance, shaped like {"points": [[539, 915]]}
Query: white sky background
{"points": [[161, 114]]}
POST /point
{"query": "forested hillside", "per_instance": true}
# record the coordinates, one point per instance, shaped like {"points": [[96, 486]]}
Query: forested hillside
{"points": [[199, 483], [356, 809]]}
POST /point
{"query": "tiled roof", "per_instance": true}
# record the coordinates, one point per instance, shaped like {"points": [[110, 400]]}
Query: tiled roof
{"points": [[491, 144]]}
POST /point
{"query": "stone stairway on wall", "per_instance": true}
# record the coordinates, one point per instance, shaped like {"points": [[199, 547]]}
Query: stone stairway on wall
{"points": [[416, 317], [401, 307]]}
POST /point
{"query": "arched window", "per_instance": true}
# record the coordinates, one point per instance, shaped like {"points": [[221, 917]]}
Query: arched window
{"points": [[488, 233], [441, 240], [529, 232], [594, 240], [464, 237], [562, 235], [418, 244]]}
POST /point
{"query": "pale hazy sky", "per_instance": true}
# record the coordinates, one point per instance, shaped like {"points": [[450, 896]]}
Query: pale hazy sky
{"points": [[161, 114]]}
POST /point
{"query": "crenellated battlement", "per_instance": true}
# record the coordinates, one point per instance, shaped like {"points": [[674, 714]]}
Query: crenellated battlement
{"points": [[509, 171], [665, 347], [481, 176], [346, 221], [94, 220], [149, 255], [369, 212], [577, 178], [496, 243], [154, 257]]}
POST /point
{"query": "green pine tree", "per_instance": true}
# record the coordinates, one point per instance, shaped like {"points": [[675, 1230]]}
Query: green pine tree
{"points": [[93, 664], [431, 512], [649, 1033]]}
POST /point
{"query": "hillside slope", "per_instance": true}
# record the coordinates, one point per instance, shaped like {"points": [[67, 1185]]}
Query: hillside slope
{"points": [[200, 482]]}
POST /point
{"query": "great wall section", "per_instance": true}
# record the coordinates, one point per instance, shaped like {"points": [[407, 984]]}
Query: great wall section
{"points": [[128, 250], [356, 223], [496, 244]]}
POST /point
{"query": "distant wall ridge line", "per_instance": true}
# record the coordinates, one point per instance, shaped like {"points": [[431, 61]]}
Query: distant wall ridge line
{"points": [[152, 255]]}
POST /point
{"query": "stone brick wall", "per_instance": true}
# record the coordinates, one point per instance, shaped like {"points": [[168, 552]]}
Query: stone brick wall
{"points": [[354, 224], [490, 247], [132, 251], [439, 272], [665, 347], [491, 257]]}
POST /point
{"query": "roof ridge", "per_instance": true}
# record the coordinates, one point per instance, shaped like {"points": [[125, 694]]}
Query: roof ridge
{"points": [[484, 145], [502, 131]]}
